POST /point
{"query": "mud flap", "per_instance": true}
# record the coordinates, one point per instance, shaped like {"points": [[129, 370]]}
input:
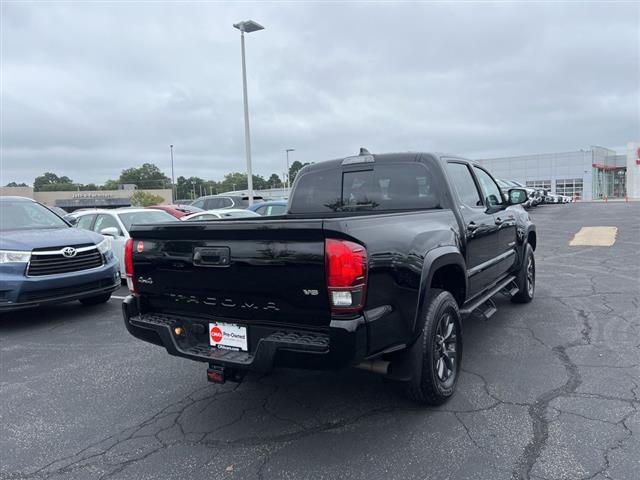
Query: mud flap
{"points": [[406, 366]]}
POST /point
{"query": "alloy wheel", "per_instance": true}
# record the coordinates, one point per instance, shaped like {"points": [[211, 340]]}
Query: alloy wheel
{"points": [[446, 350], [531, 277]]}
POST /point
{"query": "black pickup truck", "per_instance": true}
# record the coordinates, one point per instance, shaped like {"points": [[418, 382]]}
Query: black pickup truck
{"points": [[374, 265]]}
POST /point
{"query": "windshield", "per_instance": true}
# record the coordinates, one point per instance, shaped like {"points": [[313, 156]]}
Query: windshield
{"points": [[502, 183], [188, 209], [27, 215], [142, 218]]}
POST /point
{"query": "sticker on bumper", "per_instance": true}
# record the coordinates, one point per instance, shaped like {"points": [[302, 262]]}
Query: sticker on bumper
{"points": [[228, 336]]}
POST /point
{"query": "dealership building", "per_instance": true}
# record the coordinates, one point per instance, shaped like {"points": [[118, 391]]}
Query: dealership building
{"points": [[71, 201], [593, 174]]}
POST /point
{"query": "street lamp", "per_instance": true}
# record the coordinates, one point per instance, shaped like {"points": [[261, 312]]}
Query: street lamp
{"points": [[247, 26], [173, 179], [288, 175]]}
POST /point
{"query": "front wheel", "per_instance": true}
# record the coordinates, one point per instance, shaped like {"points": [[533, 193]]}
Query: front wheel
{"points": [[95, 300], [526, 279], [436, 374]]}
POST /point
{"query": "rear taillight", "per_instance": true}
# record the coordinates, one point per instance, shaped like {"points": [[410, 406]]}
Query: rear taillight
{"points": [[128, 265], [346, 264]]}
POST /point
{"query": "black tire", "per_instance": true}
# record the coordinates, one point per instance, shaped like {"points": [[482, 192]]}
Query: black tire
{"points": [[102, 298], [438, 368], [526, 279]]}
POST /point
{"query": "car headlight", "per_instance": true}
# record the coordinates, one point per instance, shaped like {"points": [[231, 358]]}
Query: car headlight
{"points": [[12, 256], [105, 245]]}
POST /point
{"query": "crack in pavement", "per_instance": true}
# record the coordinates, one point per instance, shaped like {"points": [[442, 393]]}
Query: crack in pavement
{"points": [[538, 409]]}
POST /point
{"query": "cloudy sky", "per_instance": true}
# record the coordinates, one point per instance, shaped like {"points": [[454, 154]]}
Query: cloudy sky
{"points": [[90, 88]]}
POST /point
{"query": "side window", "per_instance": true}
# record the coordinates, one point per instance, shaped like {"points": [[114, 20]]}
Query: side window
{"points": [[106, 221], [198, 204], [85, 222], [261, 210], [490, 189], [464, 184], [277, 210], [215, 203]]}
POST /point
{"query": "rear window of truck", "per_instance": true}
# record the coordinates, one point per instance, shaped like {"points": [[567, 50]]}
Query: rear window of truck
{"points": [[398, 186]]}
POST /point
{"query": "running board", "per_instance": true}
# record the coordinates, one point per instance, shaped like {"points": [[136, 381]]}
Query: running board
{"points": [[510, 290], [490, 308]]}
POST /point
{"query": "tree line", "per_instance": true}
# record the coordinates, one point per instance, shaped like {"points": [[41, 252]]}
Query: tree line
{"points": [[149, 177]]}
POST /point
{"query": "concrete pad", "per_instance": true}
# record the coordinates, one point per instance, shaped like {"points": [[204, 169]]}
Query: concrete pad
{"points": [[595, 237]]}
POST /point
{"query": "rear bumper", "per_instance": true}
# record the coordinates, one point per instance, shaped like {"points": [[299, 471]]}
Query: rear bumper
{"points": [[343, 344]]}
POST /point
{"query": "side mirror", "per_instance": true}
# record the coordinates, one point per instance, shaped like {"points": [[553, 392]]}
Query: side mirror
{"points": [[517, 196], [110, 232]]}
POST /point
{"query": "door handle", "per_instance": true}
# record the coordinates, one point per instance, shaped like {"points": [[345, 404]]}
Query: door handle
{"points": [[472, 227], [498, 221]]}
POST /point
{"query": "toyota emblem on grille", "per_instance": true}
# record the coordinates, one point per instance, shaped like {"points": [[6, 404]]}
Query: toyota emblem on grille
{"points": [[69, 252]]}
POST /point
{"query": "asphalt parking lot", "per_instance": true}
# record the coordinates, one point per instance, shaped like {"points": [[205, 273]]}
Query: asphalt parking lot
{"points": [[549, 390]]}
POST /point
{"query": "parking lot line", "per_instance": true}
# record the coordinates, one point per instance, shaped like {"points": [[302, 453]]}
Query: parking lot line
{"points": [[595, 237], [118, 297]]}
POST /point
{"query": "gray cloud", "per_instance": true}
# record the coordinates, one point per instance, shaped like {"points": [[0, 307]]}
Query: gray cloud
{"points": [[90, 89]]}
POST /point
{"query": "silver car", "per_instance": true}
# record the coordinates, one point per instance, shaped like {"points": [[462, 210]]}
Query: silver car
{"points": [[116, 224]]}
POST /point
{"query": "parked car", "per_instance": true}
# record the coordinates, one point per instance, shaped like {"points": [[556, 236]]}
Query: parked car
{"points": [[58, 211], [270, 208], [534, 197], [374, 265], [217, 202], [552, 198], [223, 214], [178, 210], [45, 260], [115, 223]]}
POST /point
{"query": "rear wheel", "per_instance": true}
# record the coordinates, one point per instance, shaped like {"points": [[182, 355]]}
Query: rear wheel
{"points": [[526, 280], [95, 300], [436, 374]]}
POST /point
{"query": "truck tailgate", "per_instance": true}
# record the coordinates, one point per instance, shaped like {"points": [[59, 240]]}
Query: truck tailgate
{"points": [[256, 271]]}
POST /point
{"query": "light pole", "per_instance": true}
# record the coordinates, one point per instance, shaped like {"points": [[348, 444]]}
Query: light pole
{"points": [[288, 175], [247, 26], [173, 179]]}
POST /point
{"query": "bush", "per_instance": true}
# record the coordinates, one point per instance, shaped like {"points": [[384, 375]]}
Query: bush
{"points": [[145, 199]]}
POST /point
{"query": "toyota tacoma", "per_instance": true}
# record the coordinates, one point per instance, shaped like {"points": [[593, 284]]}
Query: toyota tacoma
{"points": [[375, 263]]}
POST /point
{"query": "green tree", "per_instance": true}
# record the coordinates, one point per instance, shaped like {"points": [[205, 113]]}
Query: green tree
{"points": [[14, 184], [49, 178], [110, 185], [259, 182], [238, 181], [233, 181], [294, 169], [59, 187], [274, 181], [192, 187], [147, 176], [183, 189], [145, 199]]}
